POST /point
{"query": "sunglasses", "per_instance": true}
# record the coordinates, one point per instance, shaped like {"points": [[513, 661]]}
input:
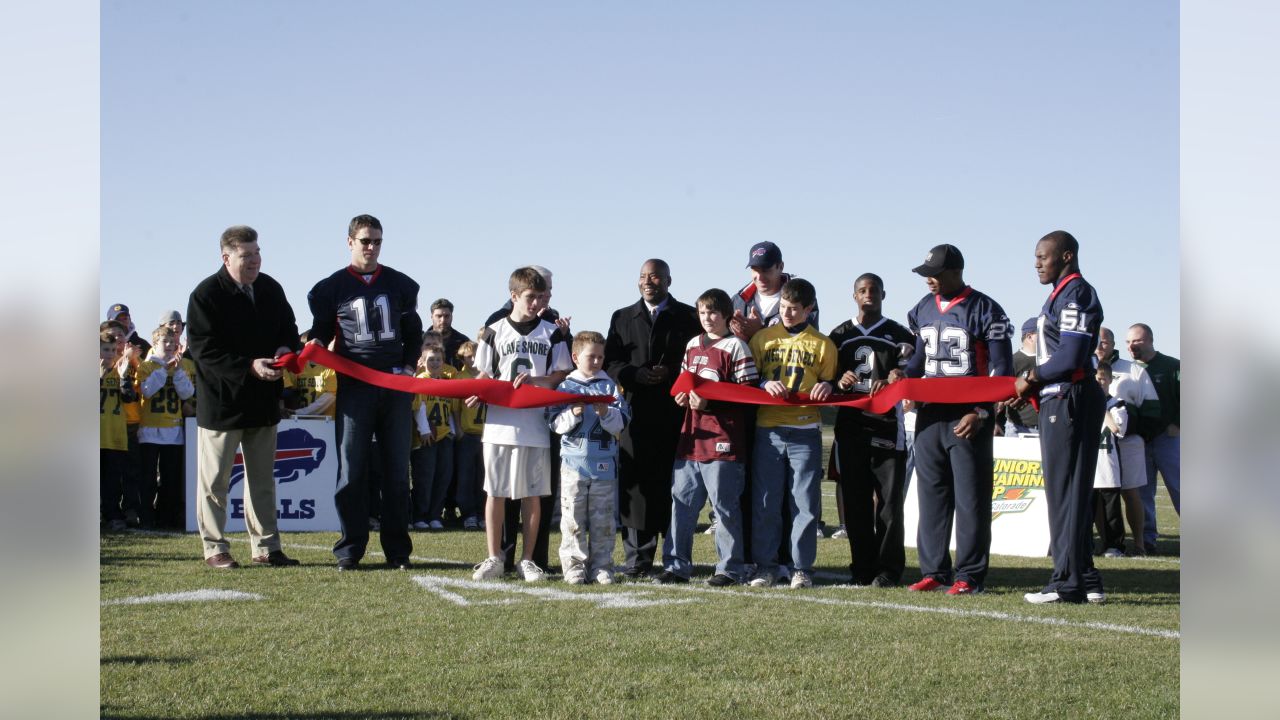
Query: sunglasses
{"points": [[370, 241]]}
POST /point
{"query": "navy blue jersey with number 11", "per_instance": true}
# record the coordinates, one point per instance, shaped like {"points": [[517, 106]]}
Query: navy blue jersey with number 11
{"points": [[966, 336], [375, 316]]}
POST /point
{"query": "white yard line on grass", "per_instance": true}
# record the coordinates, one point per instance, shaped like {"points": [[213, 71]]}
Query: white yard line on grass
{"points": [[780, 594], [613, 599], [791, 595], [207, 595]]}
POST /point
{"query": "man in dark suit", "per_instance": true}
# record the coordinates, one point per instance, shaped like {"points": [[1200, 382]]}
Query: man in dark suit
{"points": [[643, 352], [239, 323]]}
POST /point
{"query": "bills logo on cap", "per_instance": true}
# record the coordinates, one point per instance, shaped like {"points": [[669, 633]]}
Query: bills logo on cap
{"points": [[298, 454], [758, 252]]}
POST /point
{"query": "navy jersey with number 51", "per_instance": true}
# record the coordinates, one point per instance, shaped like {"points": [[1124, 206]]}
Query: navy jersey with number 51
{"points": [[966, 336], [1073, 308]]}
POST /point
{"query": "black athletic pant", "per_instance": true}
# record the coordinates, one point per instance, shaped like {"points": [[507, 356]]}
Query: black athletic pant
{"points": [[954, 481], [1070, 431], [871, 480], [165, 495], [1111, 530]]}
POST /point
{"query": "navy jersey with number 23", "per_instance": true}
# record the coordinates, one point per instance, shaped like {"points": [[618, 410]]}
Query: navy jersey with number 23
{"points": [[966, 336]]}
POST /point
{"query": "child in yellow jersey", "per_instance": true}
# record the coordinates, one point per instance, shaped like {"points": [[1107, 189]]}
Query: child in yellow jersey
{"points": [[165, 380], [115, 388], [129, 357], [314, 391], [468, 450], [432, 461], [792, 357]]}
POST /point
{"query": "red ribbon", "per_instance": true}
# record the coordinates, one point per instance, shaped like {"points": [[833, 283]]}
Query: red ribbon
{"points": [[494, 392], [939, 390]]}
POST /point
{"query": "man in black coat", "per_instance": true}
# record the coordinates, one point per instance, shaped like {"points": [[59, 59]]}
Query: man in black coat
{"points": [[239, 322], [643, 352]]}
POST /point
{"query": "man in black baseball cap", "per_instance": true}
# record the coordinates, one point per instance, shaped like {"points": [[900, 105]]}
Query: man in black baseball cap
{"points": [[940, 258]]}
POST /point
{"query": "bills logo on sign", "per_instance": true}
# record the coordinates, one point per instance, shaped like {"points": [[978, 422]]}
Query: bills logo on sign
{"points": [[298, 453]]}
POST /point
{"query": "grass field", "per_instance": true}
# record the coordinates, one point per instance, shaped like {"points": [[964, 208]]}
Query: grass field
{"points": [[427, 643]]}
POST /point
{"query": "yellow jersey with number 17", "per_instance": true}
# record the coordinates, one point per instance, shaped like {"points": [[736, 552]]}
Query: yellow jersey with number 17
{"points": [[800, 361]]}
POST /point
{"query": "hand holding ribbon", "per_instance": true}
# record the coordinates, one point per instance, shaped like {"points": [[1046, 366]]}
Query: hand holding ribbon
{"points": [[494, 392], [934, 390]]}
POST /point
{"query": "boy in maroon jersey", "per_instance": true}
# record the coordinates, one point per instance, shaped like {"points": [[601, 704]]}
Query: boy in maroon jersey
{"points": [[711, 448]]}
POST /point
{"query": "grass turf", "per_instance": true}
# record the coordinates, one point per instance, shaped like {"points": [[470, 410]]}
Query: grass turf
{"points": [[378, 644]]}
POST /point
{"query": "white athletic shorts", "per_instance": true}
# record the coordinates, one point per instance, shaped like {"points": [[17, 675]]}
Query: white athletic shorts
{"points": [[516, 471], [1124, 468]]}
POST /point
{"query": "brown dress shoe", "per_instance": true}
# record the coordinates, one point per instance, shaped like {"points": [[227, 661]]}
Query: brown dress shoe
{"points": [[275, 558], [223, 561]]}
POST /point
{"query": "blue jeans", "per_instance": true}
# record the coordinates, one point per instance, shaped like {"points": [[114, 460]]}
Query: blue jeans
{"points": [[432, 467], [691, 483], [362, 411], [1163, 453], [468, 464], [785, 457]]}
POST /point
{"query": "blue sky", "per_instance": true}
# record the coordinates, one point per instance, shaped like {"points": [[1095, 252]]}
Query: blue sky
{"points": [[588, 136]]}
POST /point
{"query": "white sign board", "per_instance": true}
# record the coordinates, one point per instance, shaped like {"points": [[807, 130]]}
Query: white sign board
{"points": [[306, 473], [1019, 510]]}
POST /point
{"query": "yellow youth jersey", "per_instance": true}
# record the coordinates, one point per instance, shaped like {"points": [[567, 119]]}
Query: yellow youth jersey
{"points": [[471, 419], [314, 381], [439, 410], [164, 408], [800, 362], [112, 434], [133, 410]]}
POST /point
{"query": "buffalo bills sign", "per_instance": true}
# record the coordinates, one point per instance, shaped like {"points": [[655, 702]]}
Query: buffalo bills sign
{"points": [[305, 472]]}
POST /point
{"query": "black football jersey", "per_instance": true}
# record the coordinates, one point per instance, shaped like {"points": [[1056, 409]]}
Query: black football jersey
{"points": [[871, 353]]}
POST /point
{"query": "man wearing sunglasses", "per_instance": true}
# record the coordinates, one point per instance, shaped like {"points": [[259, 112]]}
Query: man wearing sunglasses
{"points": [[373, 311]]}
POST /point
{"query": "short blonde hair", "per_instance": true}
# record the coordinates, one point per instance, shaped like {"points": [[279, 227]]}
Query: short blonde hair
{"points": [[163, 331], [586, 338]]}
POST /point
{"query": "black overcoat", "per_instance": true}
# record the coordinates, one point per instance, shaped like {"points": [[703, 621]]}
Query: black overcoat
{"points": [[226, 331], [648, 444]]}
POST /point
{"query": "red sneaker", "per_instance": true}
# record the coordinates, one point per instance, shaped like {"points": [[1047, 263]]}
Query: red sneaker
{"points": [[927, 585], [962, 587]]}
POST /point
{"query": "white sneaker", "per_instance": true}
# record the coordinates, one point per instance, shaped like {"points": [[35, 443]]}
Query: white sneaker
{"points": [[421, 525], [1113, 553], [436, 525], [1041, 598], [1095, 598], [840, 533], [604, 577], [801, 579], [761, 580], [821, 535], [489, 569], [711, 530], [575, 577], [531, 572]]}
